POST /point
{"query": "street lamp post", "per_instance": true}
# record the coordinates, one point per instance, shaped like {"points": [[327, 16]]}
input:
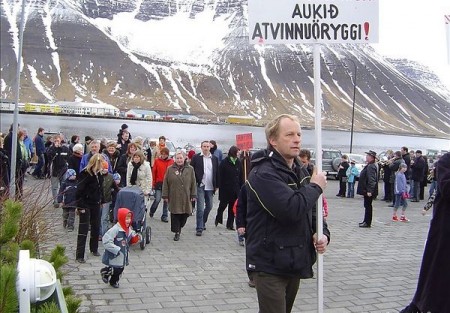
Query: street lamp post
{"points": [[353, 105]]}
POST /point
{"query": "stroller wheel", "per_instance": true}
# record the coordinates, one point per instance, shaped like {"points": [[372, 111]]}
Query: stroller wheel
{"points": [[142, 243], [148, 234]]}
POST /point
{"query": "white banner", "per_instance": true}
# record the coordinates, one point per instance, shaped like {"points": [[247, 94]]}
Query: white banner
{"points": [[447, 26], [294, 21]]}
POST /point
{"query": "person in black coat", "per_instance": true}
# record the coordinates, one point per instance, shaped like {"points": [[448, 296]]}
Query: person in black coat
{"points": [[281, 237], [230, 182], [58, 156], [432, 288], [417, 175], [89, 199], [342, 176], [368, 187]]}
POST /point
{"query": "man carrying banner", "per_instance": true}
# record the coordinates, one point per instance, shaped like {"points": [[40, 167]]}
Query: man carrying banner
{"points": [[281, 218]]}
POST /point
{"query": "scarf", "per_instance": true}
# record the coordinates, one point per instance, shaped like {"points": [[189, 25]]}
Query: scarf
{"points": [[134, 172]]}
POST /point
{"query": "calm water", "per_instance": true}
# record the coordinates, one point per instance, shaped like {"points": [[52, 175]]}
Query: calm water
{"points": [[225, 135]]}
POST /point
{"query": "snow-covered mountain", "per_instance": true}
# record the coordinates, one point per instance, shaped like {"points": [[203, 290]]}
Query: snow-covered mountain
{"points": [[193, 56]]}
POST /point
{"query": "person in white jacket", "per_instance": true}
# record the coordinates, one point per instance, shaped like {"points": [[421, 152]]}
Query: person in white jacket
{"points": [[139, 173]]}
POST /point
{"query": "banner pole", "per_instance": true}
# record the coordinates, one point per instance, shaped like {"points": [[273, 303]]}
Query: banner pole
{"points": [[318, 165]]}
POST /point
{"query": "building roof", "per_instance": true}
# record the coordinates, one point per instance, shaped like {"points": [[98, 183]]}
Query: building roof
{"points": [[87, 104], [144, 112]]}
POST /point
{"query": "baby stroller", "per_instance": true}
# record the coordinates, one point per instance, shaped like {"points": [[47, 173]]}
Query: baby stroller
{"points": [[133, 199]]}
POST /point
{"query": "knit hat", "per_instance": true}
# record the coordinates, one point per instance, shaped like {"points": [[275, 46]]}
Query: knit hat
{"points": [[116, 176], [78, 147], [105, 165], [111, 143], [71, 172], [124, 126], [191, 154]]}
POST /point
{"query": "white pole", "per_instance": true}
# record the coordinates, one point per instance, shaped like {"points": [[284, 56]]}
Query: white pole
{"points": [[447, 26], [12, 184], [318, 165]]}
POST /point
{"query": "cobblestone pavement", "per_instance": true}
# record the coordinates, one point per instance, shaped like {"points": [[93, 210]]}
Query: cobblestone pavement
{"points": [[365, 270]]}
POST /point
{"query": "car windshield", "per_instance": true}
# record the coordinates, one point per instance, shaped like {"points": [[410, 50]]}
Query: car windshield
{"points": [[331, 154], [358, 158]]}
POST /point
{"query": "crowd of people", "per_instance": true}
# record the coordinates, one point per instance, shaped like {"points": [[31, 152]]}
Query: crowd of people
{"points": [[270, 196]]}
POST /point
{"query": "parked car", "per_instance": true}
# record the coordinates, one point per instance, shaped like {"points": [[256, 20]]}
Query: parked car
{"points": [[330, 161], [169, 145]]}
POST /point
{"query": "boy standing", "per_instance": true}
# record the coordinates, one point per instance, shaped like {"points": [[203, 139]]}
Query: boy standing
{"points": [[352, 173], [68, 197], [116, 242], [400, 193]]}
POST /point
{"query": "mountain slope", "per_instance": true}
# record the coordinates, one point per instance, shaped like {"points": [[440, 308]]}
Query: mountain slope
{"points": [[193, 56]]}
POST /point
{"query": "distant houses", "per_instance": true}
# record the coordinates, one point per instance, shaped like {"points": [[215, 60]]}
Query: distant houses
{"points": [[145, 114], [104, 109]]}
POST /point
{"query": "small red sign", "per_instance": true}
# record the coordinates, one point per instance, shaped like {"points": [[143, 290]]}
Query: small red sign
{"points": [[244, 141]]}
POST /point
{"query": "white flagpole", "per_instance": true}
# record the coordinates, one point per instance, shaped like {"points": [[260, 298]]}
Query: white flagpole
{"points": [[447, 26], [318, 165], [14, 147]]}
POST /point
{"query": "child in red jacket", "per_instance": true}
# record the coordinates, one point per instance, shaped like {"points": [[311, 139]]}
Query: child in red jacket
{"points": [[116, 242]]}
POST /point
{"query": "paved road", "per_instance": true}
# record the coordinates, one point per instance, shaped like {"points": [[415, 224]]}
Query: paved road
{"points": [[365, 270]]}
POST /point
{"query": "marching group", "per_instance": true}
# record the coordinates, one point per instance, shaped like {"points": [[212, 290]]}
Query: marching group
{"points": [[273, 197]]}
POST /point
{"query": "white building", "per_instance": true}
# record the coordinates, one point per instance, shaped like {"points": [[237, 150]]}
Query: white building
{"points": [[84, 108], [139, 113]]}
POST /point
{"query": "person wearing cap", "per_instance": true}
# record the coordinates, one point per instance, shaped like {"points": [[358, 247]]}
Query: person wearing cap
{"points": [[75, 158], [417, 175], [68, 197], [123, 128], [368, 187]]}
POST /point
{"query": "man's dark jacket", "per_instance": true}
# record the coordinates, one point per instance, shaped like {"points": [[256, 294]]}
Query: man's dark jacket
{"points": [[281, 218], [39, 144], [197, 164], [418, 169], [59, 158], [368, 180], [432, 294]]}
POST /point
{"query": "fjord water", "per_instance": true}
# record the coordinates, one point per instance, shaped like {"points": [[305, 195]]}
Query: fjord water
{"points": [[225, 135]]}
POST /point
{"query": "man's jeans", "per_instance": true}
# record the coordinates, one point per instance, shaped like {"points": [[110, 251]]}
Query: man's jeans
{"points": [[55, 182], [40, 164], [350, 190], [104, 223], [204, 206], [415, 184], [154, 207]]}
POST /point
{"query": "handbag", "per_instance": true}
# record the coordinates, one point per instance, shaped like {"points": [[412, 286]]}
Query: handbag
{"points": [[34, 159], [405, 195]]}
